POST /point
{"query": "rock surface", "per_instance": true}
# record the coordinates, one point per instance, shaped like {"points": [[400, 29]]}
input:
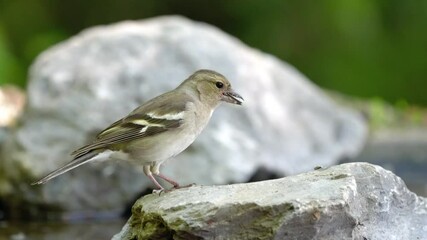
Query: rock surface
{"points": [[87, 82], [402, 151], [349, 201]]}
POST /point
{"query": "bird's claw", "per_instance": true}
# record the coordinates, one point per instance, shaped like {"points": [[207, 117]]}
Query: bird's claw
{"points": [[185, 186], [158, 191], [162, 190]]}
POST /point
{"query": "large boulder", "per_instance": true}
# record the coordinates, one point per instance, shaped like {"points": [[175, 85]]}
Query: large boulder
{"points": [[80, 86], [349, 201]]}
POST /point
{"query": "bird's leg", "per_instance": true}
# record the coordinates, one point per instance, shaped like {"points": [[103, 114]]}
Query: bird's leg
{"points": [[155, 169], [147, 172], [175, 184]]}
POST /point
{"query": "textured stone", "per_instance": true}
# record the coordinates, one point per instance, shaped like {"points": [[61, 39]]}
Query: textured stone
{"points": [[80, 86], [402, 151], [349, 201]]}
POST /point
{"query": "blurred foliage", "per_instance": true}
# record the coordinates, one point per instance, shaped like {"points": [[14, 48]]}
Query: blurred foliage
{"points": [[366, 48], [382, 115]]}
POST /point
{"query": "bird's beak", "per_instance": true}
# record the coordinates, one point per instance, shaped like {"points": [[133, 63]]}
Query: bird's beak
{"points": [[232, 97]]}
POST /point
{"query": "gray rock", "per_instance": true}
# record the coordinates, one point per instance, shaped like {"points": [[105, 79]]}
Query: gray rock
{"points": [[349, 201], [82, 85], [402, 151]]}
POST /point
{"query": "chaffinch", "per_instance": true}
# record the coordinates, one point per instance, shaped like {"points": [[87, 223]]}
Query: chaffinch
{"points": [[159, 129]]}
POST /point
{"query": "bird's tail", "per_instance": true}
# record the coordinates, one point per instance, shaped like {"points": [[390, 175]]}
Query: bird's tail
{"points": [[67, 167]]}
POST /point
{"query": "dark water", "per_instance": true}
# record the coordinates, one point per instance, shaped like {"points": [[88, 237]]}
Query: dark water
{"points": [[57, 231]]}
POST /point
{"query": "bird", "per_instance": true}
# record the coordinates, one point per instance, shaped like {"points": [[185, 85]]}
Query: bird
{"points": [[159, 129]]}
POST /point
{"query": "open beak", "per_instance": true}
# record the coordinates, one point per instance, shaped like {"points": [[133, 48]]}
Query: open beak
{"points": [[232, 97]]}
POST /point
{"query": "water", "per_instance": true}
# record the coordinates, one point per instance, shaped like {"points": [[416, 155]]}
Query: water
{"points": [[59, 230]]}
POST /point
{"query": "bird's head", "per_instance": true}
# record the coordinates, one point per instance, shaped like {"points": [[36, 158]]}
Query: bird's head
{"points": [[212, 87]]}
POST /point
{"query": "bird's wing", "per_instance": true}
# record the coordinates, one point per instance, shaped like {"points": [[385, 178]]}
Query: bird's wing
{"points": [[156, 116]]}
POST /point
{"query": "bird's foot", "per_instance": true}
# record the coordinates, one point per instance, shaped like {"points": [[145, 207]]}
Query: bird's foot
{"points": [[162, 190], [159, 191]]}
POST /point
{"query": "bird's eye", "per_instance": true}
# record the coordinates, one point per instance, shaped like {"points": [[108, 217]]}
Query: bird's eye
{"points": [[219, 84]]}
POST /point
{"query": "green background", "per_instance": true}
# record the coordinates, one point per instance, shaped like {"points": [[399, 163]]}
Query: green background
{"points": [[366, 48]]}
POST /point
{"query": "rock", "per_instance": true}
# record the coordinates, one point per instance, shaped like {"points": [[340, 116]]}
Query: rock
{"points": [[349, 201], [82, 85], [397, 139], [402, 151]]}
